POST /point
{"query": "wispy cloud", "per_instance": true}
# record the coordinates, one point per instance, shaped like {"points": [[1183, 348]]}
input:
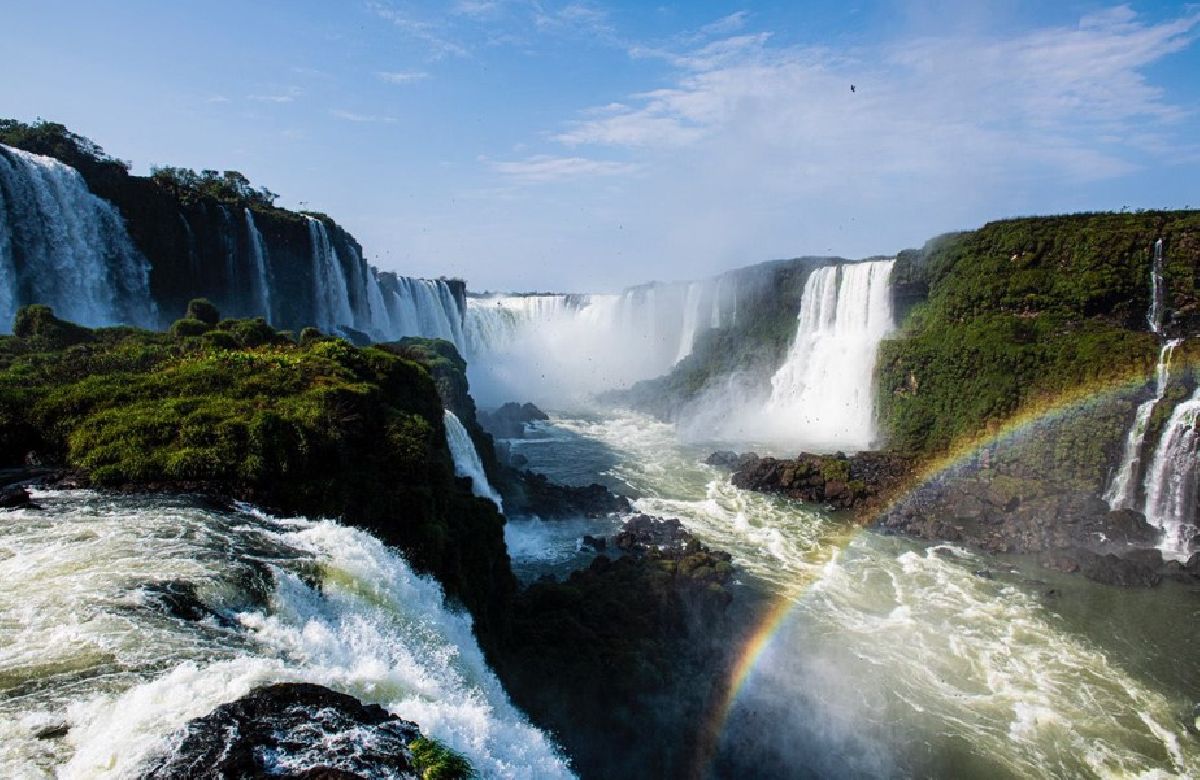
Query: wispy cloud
{"points": [[402, 76], [351, 116], [543, 168], [287, 95], [432, 34]]}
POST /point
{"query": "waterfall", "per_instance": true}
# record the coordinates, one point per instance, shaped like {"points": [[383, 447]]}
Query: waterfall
{"points": [[691, 316], [62, 246], [262, 267], [1171, 480], [1122, 493], [466, 459], [330, 293], [1155, 316], [824, 392]]}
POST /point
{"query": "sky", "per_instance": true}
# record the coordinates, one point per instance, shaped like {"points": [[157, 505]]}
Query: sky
{"points": [[586, 146]]}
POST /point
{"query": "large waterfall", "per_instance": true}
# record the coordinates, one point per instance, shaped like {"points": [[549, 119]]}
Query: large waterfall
{"points": [[63, 246], [824, 393], [566, 348], [466, 459]]}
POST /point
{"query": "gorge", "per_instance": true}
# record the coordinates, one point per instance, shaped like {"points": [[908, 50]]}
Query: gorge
{"points": [[1029, 388]]}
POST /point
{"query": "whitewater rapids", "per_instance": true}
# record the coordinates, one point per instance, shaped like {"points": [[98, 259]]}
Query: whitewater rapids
{"points": [[82, 645]]}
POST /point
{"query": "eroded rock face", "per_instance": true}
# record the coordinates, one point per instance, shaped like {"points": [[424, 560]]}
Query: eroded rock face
{"points": [[292, 730]]}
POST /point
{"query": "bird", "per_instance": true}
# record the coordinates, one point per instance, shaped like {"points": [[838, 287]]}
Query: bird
{"points": [[852, 88]]}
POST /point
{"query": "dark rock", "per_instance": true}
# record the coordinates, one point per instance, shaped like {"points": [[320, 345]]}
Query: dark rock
{"points": [[508, 422], [530, 493], [722, 458], [15, 498], [596, 543], [1113, 570], [307, 730], [984, 574], [177, 598], [840, 481], [52, 731]]}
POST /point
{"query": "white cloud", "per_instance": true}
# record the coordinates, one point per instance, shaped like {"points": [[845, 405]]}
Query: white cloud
{"points": [[351, 116], [402, 76], [542, 168], [432, 35]]}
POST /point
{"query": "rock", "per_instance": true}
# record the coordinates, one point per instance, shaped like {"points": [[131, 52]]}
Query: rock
{"points": [[16, 497], [1113, 570], [530, 493], [177, 598], [52, 731], [306, 730], [508, 422], [723, 458], [596, 543]]}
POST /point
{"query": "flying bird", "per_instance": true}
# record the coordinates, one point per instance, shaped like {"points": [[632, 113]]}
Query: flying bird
{"points": [[852, 88]]}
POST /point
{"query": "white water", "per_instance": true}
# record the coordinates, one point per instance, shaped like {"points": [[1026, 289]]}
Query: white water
{"points": [[1122, 492], [466, 459], [823, 396], [691, 317], [262, 267], [331, 296], [80, 646], [1172, 480], [896, 659], [62, 246], [1155, 316]]}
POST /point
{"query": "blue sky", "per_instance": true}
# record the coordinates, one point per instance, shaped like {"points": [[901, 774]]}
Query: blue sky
{"points": [[530, 144]]}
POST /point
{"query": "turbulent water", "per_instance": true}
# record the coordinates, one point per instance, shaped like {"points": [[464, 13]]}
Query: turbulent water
{"points": [[897, 658], [83, 644], [1173, 480], [63, 246], [466, 459]]}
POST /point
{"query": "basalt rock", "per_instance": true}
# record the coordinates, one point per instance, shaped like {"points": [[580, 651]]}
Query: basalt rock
{"points": [[291, 730], [530, 493], [16, 497], [508, 422], [839, 481]]}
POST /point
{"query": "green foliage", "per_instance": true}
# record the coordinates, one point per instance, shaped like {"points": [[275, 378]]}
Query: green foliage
{"points": [[229, 187], [202, 309], [1021, 311], [435, 761], [37, 325], [189, 327]]}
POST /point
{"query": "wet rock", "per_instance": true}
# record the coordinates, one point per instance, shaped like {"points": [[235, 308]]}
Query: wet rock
{"points": [[16, 497], [177, 598], [290, 730], [1114, 570], [595, 543], [52, 731], [530, 493], [839, 481], [508, 422]]}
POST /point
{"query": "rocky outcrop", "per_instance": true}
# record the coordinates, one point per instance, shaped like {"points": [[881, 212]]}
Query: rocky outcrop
{"points": [[296, 730], [839, 481], [530, 493], [508, 421]]}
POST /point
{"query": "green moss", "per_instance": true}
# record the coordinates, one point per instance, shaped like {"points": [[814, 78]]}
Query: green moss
{"points": [[435, 761]]}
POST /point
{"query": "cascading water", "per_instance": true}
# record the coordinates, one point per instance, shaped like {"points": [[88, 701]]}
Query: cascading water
{"points": [[93, 657], [823, 394], [62, 246], [262, 267], [1122, 493], [1155, 316], [691, 317], [330, 293], [1172, 480], [466, 459]]}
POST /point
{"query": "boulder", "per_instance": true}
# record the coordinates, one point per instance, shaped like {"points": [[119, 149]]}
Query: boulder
{"points": [[508, 422], [302, 729], [15, 497]]}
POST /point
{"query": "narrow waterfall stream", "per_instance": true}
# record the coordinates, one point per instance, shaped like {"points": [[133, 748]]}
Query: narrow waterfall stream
{"points": [[466, 459]]}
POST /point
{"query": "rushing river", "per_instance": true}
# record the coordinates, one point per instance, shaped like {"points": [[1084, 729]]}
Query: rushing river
{"points": [[893, 658], [95, 675]]}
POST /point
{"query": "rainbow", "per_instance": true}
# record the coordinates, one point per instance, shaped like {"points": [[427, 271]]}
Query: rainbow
{"points": [[1035, 413]]}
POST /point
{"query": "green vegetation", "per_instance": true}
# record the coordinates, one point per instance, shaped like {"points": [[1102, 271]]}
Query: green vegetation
{"points": [[236, 408], [229, 187], [1022, 310], [435, 761]]}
